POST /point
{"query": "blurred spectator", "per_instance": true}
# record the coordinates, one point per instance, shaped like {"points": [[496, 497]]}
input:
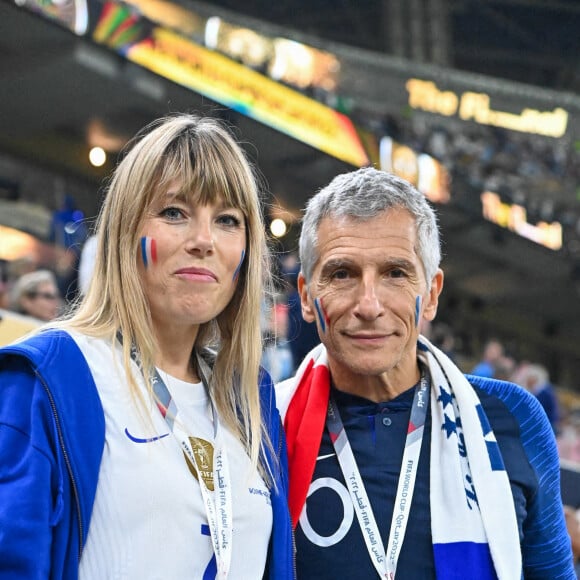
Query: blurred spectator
{"points": [[573, 527], [36, 294], [520, 372], [492, 353], [505, 368], [536, 380], [569, 436]]}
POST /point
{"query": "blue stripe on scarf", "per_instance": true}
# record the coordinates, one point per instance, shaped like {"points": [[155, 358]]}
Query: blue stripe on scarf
{"points": [[493, 451], [495, 457], [486, 427], [451, 560]]}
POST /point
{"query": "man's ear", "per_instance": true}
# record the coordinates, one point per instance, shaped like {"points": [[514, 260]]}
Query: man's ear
{"points": [[306, 303], [430, 310]]}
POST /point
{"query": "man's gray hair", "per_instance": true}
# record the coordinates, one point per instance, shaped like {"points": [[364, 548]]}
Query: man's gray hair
{"points": [[361, 195]]}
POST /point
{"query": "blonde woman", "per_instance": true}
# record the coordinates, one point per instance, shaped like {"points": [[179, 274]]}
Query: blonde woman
{"points": [[139, 438]]}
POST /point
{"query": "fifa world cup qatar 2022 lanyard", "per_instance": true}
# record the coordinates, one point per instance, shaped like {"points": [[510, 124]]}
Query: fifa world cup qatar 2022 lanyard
{"points": [[385, 562], [214, 477]]}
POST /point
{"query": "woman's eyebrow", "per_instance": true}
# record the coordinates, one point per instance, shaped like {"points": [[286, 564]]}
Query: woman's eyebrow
{"points": [[174, 195], [180, 196]]}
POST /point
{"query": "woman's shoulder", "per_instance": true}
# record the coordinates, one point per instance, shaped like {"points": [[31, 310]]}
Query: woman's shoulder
{"points": [[50, 363], [54, 355]]}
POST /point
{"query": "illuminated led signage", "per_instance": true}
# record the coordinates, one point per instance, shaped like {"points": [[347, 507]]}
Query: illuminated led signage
{"points": [[179, 56], [244, 90], [513, 217], [73, 14], [469, 106], [427, 174]]}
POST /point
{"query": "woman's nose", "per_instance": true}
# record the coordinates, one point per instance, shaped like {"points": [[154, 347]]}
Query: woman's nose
{"points": [[201, 236]]}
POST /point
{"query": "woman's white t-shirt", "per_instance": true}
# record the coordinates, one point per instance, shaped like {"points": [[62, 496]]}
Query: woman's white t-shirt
{"points": [[148, 520]]}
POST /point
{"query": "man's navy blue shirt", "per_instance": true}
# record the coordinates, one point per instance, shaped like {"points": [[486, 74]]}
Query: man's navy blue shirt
{"points": [[328, 538]]}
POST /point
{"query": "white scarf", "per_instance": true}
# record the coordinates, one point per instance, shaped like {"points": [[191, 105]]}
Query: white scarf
{"points": [[473, 519], [470, 453]]}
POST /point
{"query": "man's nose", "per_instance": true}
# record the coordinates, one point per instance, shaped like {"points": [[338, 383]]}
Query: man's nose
{"points": [[369, 305]]}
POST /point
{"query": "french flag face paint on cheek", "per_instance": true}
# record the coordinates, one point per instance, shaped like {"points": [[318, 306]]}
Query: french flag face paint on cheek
{"points": [[148, 251], [417, 309], [239, 267], [322, 317]]}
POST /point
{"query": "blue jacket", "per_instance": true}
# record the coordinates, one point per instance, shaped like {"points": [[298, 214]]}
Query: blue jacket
{"points": [[52, 434]]}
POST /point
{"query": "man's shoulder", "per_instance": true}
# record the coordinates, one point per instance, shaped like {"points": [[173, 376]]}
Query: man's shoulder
{"points": [[506, 399], [508, 392]]}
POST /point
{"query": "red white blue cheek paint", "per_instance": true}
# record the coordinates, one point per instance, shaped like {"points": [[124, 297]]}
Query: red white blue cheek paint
{"points": [[322, 316], [417, 309], [148, 251], [239, 267]]}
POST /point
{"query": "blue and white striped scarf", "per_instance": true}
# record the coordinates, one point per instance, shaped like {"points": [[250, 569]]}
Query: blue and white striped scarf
{"points": [[473, 519]]}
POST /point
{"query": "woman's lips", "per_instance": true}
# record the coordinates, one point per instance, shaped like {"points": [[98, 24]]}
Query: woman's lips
{"points": [[197, 274]]}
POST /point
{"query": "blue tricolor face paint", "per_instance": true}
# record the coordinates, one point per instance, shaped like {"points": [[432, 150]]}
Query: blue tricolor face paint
{"points": [[417, 309], [321, 314], [148, 251], [239, 267]]}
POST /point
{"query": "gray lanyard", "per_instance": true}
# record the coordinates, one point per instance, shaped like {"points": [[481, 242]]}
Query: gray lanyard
{"points": [[385, 562]]}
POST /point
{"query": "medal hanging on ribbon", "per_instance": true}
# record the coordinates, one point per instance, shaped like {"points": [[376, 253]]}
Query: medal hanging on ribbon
{"points": [[215, 485], [211, 470]]}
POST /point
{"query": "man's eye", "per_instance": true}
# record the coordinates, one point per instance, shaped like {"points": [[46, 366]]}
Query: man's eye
{"points": [[397, 273], [171, 213], [229, 220], [339, 275]]}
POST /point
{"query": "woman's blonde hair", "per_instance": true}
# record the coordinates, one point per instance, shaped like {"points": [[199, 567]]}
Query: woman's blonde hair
{"points": [[205, 157]]}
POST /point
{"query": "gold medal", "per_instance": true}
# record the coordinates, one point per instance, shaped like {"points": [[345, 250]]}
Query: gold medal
{"points": [[203, 454]]}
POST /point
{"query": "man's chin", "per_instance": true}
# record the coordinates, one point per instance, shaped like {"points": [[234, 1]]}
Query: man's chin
{"points": [[371, 366]]}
